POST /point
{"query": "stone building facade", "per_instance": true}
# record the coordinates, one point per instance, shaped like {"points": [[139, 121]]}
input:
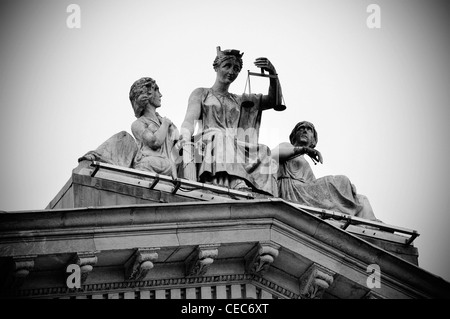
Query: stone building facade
{"points": [[126, 234]]}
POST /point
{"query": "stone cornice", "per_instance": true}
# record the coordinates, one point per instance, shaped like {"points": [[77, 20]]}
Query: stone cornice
{"points": [[352, 262], [31, 225]]}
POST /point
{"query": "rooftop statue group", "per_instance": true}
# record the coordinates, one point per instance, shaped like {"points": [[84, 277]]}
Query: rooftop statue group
{"points": [[225, 151]]}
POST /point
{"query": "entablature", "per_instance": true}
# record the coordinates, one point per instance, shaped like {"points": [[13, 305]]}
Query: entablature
{"points": [[267, 238]]}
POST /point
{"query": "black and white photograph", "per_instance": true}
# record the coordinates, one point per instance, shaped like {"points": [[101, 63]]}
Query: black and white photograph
{"points": [[250, 149]]}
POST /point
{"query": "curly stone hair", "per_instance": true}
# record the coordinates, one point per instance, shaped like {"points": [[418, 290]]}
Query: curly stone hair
{"points": [[139, 88]]}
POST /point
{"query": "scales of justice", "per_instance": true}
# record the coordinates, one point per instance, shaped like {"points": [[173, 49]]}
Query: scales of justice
{"points": [[280, 105]]}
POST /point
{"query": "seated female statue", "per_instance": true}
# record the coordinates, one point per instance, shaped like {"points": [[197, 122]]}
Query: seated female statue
{"points": [[297, 183], [156, 136]]}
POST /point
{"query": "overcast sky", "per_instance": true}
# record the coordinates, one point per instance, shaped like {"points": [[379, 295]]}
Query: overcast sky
{"points": [[379, 97]]}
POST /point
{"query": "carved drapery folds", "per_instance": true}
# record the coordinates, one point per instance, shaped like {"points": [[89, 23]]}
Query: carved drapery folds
{"points": [[315, 281], [137, 267], [201, 259], [86, 261], [259, 259]]}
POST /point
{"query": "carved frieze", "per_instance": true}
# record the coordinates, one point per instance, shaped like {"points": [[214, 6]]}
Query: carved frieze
{"points": [[271, 288], [315, 281], [137, 267], [201, 259]]}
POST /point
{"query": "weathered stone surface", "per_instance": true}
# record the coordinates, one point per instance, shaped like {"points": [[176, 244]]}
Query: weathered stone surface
{"points": [[201, 259], [315, 281], [156, 136], [237, 226], [297, 183], [226, 151], [20, 269], [120, 149], [261, 257], [86, 260], [140, 263], [155, 147]]}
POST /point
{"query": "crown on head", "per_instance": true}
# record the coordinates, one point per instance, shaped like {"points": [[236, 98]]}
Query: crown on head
{"points": [[235, 53]]}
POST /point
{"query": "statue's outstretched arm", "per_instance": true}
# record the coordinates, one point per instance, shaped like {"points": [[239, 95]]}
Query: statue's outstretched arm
{"points": [[285, 151]]}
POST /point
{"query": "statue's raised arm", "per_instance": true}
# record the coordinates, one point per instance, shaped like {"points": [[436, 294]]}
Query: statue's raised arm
{"points": [[274, 97]]}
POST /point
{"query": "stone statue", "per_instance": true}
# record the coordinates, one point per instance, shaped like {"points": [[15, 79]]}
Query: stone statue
{"points": [[155, 148], [297, 183], [156, 136], [226, 149]]}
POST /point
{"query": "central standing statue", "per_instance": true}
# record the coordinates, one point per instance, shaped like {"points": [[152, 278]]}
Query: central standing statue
{"points": [[226, 150]]}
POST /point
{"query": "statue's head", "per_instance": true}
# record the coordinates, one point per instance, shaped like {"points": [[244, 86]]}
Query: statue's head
{"points": [[227, 55], [144, 87], [294, 137]]}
